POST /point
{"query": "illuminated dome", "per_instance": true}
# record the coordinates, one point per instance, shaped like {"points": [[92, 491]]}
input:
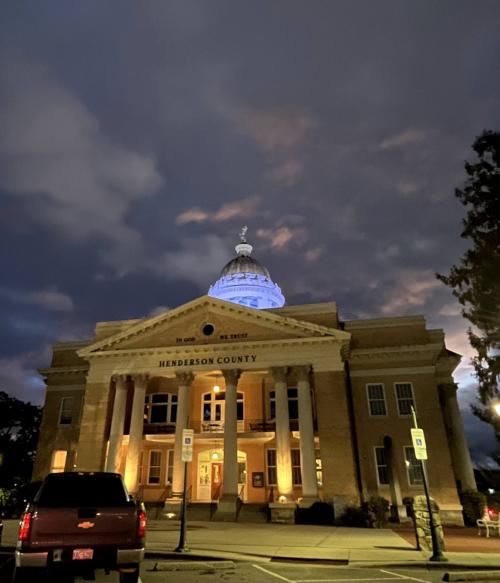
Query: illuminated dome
{"points": [[245, 281]]}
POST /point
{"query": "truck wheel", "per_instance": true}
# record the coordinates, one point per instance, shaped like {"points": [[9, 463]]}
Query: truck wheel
{"points": [[25, 575], [131, 577]]}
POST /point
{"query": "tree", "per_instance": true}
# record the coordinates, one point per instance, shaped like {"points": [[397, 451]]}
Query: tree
{"points": [[475, 279], [19, 424]]}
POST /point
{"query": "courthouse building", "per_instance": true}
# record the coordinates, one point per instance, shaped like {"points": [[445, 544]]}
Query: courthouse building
{"points": [[289, 404]]}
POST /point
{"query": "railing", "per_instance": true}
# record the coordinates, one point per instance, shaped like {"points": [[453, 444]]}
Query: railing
{"points": [[153, 428], [248, 425], [241, 493]]}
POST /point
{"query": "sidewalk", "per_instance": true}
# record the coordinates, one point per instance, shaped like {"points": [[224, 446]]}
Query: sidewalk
{"points": [[334, 545]]}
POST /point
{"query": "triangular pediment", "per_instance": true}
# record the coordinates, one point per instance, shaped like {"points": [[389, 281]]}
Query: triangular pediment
{"points": [[208, 320]]}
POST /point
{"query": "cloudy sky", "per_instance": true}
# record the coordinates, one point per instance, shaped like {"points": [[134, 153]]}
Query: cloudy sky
{"points": [[136, 138]]}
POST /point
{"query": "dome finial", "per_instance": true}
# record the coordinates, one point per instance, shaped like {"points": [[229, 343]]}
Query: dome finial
{"points": [[243, 248]]}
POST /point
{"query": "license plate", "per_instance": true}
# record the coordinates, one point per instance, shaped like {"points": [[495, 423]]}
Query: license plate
{"points": [[83, 554]]}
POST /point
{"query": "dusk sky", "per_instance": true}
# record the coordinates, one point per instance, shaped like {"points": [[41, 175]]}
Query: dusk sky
{"points": [[137, 138]]}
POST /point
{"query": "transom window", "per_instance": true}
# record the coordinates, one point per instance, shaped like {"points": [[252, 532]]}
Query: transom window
{"points": [[382, 465], [404, 397], [161, 408], [376, 399], [413, 467], [293, 404]]}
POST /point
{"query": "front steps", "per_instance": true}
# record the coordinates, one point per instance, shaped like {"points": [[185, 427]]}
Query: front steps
{"points": [[205, 511], [255, 513]]}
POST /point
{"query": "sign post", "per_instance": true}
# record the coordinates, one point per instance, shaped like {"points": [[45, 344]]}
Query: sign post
{"points": [[420, 448], [186, 456]]}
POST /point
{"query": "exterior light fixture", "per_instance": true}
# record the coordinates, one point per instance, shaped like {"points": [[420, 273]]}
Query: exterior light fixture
{"points": [[215, 456], [282, 499], [216, 389]]}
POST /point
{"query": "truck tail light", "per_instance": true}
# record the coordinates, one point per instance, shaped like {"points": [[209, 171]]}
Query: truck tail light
{"points": [[141, 524], [25, 526]]}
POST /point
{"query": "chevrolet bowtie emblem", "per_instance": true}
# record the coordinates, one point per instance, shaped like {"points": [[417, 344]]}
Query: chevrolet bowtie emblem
{"points": [[86, 524]]}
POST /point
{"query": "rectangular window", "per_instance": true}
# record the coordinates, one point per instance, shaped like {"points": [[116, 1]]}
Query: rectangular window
{"points": [[154, 470], [293, 404], [141, 462], [66, 411], [170, 466], [296, 473], [161, 408], [58, 461], [404, 397], [413, 467], [271, 467], [376, 399], [319, 469], [382, 465]]}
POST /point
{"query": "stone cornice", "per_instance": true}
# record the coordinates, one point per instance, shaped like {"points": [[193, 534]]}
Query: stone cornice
{"points": [[260, 316], [390, 322], [199, 349], [390, 353], [63, 370]]}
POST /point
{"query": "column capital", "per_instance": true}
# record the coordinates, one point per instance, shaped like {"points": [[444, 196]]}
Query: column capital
{"points": [[185, 378], [279, 373], [231, 376], [140, 379], [302, 372], [119, 380]]}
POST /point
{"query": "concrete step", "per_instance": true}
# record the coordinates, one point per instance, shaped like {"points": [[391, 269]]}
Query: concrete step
{"points": [[201, 510]]}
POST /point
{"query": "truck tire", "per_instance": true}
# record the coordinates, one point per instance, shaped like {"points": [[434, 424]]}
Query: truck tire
{"points": [[25, 575], [132, 577]]}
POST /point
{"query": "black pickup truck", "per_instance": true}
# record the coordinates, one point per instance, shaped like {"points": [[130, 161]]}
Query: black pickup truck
{"points": [[79, 522]]}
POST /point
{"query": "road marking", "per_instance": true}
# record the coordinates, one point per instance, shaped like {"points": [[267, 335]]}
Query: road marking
{"points": [[406, 577], [273, 574], [345, 580]]}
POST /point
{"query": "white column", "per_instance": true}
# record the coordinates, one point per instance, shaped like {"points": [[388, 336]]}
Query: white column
{"points": [[230, 484], [459, 449], [117, 424], [185, 379], [306, 428], [283, 453], [135, 433]]}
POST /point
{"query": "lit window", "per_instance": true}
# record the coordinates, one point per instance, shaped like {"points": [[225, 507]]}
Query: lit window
{"points": [[58, 461], [404, 397], [296, 473], [161, 408], [382, 465], [213, 405], [376, 399], [66, 411], [170, 466], [319, 469], [413, 467], [271, 467], [154, 470]]}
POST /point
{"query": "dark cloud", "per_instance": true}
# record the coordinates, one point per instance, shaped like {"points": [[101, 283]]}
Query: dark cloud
{"points": [[136, 139]]}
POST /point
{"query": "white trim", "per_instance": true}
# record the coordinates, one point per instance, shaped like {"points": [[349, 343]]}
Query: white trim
{"points": [[393, 371], [367, 385], [72, 411], [404, 415]]}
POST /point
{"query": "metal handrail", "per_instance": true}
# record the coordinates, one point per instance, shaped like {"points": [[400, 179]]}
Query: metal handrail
{"points": [[241, 492]]}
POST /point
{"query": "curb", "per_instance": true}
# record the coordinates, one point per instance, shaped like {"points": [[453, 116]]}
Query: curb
{"points": [[472, 576]]}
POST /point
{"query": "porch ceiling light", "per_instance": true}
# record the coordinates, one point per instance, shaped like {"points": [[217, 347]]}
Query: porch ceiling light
{"points": [[215, 456], [216, 389]]}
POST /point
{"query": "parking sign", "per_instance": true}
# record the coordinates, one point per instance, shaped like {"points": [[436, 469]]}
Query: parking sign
{"points": [[419, 445], [187, 445]]}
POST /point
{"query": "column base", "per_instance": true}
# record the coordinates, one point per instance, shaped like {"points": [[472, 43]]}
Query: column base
{"points": [[172, 508], [227, 508], [283, 513]]}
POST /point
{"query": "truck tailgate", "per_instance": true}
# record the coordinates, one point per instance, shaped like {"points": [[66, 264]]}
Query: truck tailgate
{"points": [[81, 527]]}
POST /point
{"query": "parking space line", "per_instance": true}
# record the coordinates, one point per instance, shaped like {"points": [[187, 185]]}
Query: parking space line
{"points": [[273, 574], [406, 576], [347, 580]]}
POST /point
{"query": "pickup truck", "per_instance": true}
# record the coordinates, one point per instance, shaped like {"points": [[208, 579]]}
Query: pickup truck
{"points": [[79, 522]]}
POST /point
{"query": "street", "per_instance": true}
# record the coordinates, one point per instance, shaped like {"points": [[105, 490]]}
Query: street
{"points": [[185, 571]]}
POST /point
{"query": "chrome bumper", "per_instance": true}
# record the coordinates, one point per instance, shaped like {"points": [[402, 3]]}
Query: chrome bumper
{"points": [[123, 557]]}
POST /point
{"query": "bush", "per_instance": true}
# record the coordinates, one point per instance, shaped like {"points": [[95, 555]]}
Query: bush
{"points": [[354, 516], [474, 504], [318, 513], [494, 501], [376, 509]]}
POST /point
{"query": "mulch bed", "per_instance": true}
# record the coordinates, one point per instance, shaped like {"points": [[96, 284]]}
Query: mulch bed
{"points": [[458, 539]]}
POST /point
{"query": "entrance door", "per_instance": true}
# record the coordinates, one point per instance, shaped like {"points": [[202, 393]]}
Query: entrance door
{"points": [[216, 480]]}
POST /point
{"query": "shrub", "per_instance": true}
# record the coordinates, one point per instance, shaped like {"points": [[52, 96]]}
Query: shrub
{"points": [[354, 516], [494, 501], [473, 504], [376, 508], [318, 513]]}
